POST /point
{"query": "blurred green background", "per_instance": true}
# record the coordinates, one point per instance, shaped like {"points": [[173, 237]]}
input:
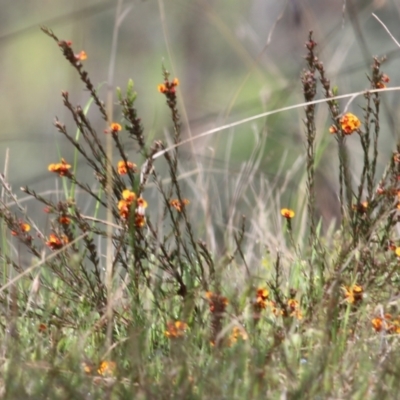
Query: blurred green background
{"points": [[228, 69]]}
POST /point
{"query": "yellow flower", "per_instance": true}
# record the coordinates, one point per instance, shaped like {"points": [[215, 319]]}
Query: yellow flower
{"points": [[115, 127], [287, 213], [23, 227], [161, 88], [55, 242], [353, 294], [123, 167], [106, 368], [128, 196], [349, 123], [60, 168]]}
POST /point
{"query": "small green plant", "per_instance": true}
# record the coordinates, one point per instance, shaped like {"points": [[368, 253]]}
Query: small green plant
{"points": [[321, 321]]}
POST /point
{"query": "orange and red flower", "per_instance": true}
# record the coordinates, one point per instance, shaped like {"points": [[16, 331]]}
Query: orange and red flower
{"points": [[115, 127], [287, 213], [179, 205], [55, 242], [123, 167], [60, 168], [353, 294], [168, 87], [349, 123]]}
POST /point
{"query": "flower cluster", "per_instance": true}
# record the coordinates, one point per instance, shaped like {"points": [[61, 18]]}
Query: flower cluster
{"points": [[105, 368], [294, 309], [60, 168], [179, 205], [123, 167], [126, 204], [349, 123], [353, 294], [386, 323], [168, 87], [56, 242], [261, 299], [262, 302], [175, 329]]}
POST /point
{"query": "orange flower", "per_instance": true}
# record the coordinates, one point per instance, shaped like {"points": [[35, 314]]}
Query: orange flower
{"points": [[294, 308], [23, 227], [55, 242], [123, 208], [178, 205], [287, 213], [81, 56], [383, 323], [42, 328], [141, 202], [64, 220], [261, 299], [128, 196], [353, 294], [168, 88], [60, 168], [262, 293], [124, 205], [115, 127], [123, 167], [140, 220], [162, 88], [106, 368], [349, 123], [175, 329]]}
